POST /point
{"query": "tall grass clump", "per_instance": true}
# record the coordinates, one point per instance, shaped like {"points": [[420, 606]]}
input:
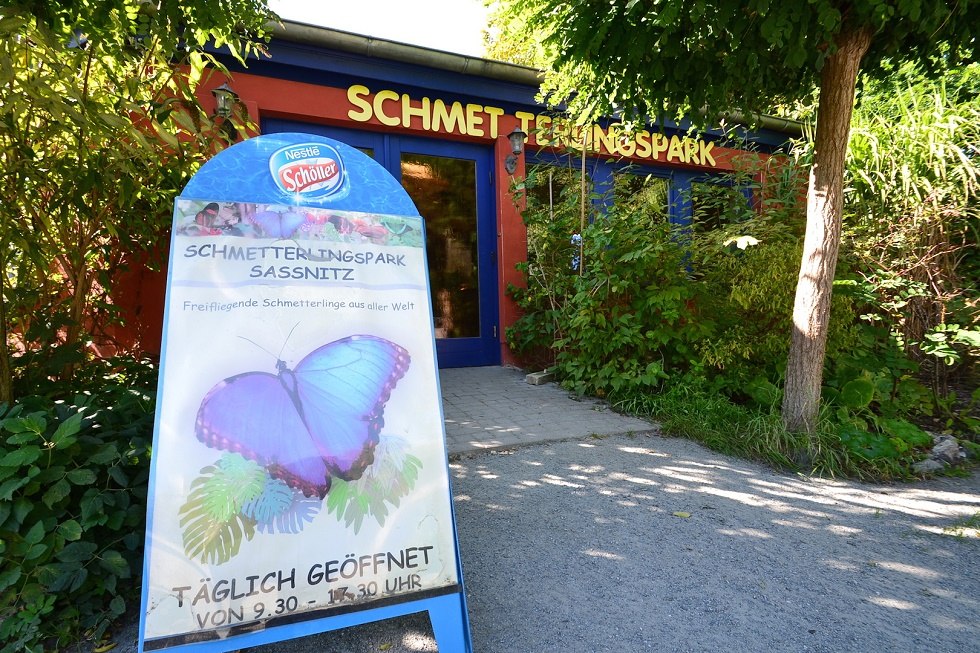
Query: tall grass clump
{"points": [[914, 217]]}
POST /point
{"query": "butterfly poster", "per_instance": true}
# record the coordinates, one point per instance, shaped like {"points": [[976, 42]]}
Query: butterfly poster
{"points": [[299, 463]]}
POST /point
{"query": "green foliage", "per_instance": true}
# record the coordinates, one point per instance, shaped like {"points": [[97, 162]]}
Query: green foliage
{"points": [[713, 373], [842, 446], [508, 39], [387, 481], [236, 498], [73, 477], [100, 126], [675, 57], [745, 261], [914, 217], [212, 519], [703, 60], [611, 302]]}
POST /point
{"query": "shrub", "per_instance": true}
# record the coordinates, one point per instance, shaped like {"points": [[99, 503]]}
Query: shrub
{"points": [[73, 479], [611, 301]]}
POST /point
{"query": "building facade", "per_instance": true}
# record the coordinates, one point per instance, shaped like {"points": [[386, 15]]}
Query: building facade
{"points": [[440, 123]]}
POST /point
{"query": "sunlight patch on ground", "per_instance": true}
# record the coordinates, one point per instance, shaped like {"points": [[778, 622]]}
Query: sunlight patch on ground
{"points": [[916, 503], [596, 553], [551, 479], [587, 469], [794, 523], [639, 480], [948, 623], [745, 532], [950, 531], [672, 473], [912, 570], [745, 498], [644, 451], [897, 604]]}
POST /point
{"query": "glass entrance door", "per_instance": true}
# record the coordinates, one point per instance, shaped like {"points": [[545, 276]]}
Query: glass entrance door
{"points": [[451, 186]]}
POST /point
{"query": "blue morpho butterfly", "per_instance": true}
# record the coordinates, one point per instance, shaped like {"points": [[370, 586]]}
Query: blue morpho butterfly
{"points": [[307, 424], [278, 225]]}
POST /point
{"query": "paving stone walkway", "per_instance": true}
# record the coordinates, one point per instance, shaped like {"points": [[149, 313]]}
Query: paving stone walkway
{"points": [[494, 407]]}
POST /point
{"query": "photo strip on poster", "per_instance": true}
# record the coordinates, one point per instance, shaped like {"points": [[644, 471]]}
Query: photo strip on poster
{"points": [[299, 460]]}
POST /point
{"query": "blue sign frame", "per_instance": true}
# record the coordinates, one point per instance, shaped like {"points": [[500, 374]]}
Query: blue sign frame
{"points": [[305, 170]]}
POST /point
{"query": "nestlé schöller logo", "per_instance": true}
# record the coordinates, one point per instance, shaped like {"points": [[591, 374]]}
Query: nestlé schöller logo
{"points": [[313, 170]]}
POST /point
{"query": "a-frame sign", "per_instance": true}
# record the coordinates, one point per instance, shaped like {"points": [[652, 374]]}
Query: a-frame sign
{"points": [[299, 479]]}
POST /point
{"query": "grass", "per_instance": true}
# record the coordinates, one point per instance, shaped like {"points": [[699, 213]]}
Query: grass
{"points": [[969, 527], [755, 434]]}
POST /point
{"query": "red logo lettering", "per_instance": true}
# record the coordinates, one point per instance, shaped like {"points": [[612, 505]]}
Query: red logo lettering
{"points": [[299, 177]]}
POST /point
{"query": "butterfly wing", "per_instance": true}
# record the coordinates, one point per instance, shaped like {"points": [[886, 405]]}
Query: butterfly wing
{"points": [[343, 387], [252, 414], [278, 225], [289, 223]]}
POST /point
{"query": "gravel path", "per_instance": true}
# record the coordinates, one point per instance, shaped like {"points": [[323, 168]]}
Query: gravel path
{"points": [[646, 543]]}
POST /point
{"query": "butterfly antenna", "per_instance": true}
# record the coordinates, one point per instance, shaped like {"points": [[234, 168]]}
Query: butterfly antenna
{"points": [[287, 341], [260, 347]]}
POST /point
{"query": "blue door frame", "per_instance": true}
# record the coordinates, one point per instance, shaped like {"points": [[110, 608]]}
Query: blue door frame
{"points": [[387, 150]]}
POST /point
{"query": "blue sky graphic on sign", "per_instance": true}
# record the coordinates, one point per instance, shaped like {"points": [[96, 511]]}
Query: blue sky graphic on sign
{"points": [[242, 174]]}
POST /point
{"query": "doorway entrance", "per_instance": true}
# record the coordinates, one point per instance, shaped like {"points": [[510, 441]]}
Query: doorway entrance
{"points": [[452, 187]]}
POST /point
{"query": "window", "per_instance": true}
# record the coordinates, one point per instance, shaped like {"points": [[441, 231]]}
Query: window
{"points": [[640, 196], [714, 205]]}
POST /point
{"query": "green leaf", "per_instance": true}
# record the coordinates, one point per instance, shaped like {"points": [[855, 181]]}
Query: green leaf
{"points": [[77, 552], [22, 438], [117, 606], [9, 577], [81, 476], [36, 551], [234, 482], [115, 563], [91, 505], [857, 393], [78, 579], [34, 423], [214, 527], [35, 534], [106, 454], [20, 457], [56, 493], [70, 530], [905, 431], [64, 435]]}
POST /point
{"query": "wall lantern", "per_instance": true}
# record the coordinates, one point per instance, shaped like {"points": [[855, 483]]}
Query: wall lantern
{"points": [[225, 99], [516, 139]]}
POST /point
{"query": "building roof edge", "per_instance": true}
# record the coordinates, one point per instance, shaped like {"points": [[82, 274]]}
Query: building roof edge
{"points": [[313, 35], [302, 33]]}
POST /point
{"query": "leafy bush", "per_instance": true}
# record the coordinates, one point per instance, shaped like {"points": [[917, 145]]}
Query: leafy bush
{"points": [[612, 300], [73, 479], [692, 324], [912, 185]]}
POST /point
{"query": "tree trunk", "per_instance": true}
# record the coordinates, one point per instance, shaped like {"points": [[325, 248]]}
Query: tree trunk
{"points": [[6, 375], [811, 311]]}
